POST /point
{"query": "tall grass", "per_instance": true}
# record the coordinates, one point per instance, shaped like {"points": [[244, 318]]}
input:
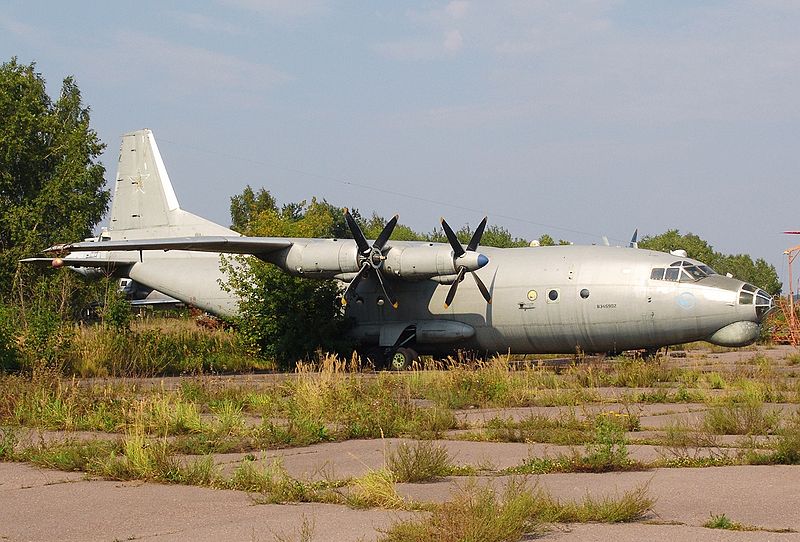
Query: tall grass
{"points": [[422, 461], [480, 513], [147, 351]]}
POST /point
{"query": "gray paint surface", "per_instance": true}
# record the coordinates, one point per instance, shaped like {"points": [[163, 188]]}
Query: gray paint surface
{"points": [[544, 299]]}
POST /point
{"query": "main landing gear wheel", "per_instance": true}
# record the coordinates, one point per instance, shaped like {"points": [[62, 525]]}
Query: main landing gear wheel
{"points": [[402, 358]]}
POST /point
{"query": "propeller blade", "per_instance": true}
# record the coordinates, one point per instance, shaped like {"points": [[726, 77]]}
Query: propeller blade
{"points": [[482, 287], [451, 293], [458, 250], [358, 235], [386, 291], [385, 233], [476, 237], [355, 282]]}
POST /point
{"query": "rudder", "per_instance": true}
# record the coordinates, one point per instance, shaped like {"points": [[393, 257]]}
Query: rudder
{"points": [[144, 203]]}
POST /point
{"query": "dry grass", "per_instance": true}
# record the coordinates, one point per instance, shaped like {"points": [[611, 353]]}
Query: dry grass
{"points": [[481, 513]]}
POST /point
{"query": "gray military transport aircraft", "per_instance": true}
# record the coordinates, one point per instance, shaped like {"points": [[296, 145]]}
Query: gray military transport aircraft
{"points": [[405, 296]]}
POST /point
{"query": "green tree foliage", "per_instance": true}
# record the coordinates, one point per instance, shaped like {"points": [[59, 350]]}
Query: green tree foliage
{"points": [[45, 307], [493, 236], [51, 184], [287, 318], [116, 313], [282, 317], [741, 266], [373, 227], [9, 349], [547, 241]]}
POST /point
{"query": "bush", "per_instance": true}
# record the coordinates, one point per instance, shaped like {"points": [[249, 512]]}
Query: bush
{"points": [[9, 351], [287, 318]]}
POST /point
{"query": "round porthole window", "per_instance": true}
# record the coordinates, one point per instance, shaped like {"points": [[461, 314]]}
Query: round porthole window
{"points": [[553, 295], [532, 295], [584, 293]]}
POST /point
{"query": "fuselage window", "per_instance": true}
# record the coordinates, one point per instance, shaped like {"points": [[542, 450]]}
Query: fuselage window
{"points": [[552, 295], [657, 273], [584, 293], [745, 298]]}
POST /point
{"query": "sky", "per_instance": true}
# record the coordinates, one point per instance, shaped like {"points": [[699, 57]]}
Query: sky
{"points": [[576, 119]]}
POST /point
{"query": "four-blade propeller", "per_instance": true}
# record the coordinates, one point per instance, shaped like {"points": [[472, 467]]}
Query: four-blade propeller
{"points": [[370, 257], [461, 258]]}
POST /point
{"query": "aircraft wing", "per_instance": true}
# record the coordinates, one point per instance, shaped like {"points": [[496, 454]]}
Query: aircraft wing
{"points": [[208, 243], [76, 261]]}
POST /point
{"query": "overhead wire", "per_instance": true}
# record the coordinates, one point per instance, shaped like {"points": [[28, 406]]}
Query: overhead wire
{"points": [[355, 184]]}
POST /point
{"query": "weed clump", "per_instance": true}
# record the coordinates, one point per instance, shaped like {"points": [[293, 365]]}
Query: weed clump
{"points": [[422, 461], [481, 513], [476, 513], [275, 485], [375, 489], [749, 417]]}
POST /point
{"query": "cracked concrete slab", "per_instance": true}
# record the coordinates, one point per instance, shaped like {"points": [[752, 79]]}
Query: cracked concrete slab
{"points": [[96, 510]]}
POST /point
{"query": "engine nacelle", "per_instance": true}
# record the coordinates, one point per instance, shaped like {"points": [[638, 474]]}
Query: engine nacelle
{"points": [[321, 258], [419, 262], [339, 258]]}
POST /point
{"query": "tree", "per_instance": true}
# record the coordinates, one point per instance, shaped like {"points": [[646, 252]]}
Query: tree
{"points": [[493, 236], [741, 266], [282, 317], [51, 183]]}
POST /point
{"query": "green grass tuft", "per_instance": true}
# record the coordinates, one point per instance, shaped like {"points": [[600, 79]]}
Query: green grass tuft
{"points": [[422, 461]]}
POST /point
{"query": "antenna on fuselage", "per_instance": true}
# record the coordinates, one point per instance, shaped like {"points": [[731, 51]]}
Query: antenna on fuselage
{"points": [[634, 243]]}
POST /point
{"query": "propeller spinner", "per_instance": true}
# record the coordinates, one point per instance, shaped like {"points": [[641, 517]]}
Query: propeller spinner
{"points": [[370, 258], [466, 260]]}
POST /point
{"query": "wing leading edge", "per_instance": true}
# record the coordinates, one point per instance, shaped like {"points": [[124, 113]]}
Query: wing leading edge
{"points": [[223, 244]]}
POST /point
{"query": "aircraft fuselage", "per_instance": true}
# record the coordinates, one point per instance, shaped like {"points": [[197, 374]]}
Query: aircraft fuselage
{"points": [[544, 300]]}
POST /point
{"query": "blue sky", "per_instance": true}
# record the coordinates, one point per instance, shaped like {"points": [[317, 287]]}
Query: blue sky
{"points": [[577, 119]]}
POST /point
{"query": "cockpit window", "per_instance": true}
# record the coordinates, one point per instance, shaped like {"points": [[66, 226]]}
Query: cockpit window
{"points": [[672, 273], [682, 271], [750, 295], [695, 272]]}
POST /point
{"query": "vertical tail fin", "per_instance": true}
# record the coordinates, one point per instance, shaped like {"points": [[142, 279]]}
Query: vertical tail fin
{"points": [[144, 203]]}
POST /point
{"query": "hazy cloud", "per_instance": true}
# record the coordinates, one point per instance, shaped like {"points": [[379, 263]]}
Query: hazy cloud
{"points": [[205, 23], [453, 41], [280, 8], [18, 28], [173, 70], [457, 8]]}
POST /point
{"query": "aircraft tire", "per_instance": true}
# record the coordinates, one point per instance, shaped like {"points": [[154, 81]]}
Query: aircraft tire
{"points": [[401, 359]]}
